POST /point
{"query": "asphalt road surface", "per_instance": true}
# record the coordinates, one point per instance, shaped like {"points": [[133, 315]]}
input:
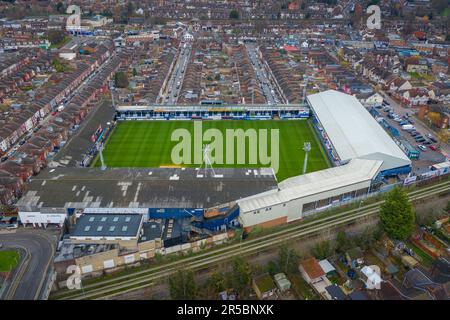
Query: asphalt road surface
{"points": [[262, 76], [31, 272], [177, 76]]}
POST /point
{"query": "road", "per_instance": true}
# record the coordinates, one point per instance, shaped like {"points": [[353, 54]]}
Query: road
{"points": [[173, 87], [110, 287], [262, 76], [39, 248]]}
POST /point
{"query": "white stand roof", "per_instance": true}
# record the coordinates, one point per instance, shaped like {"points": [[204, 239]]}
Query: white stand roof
{"points": [[353, 131]]}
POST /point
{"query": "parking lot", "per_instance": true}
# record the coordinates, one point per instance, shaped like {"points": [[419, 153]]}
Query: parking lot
{"points": [[425, 142]]}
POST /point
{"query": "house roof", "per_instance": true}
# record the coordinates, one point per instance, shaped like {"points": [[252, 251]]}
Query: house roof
{"points": [[336, 292], [326, 266], [312, 268], [264, 283]]}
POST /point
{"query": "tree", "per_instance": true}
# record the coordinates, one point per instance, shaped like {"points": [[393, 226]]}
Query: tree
{"points": [[121, 80], [287, 259], [234, 14], [273, 268], [396, 214], [182, 285], [240, 276], [216, 282], [60, 7], [55, 36], [343, 243], [322, 250], [135, 73]]}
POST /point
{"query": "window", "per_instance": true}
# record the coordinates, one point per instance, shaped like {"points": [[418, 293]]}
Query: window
{"points": [[116, 219], [309, 206], [99, 228], [124, 228], [112, 228], [127, 219], [104, 219], [91, 219], [87, 228]]}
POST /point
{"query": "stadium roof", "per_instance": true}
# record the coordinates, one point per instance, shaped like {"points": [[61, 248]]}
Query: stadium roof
{"points": [[353, 132], [130, 188], [357, 170]]}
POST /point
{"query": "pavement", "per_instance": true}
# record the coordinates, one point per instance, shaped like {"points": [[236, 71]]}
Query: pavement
{"points": [[38, 247]]}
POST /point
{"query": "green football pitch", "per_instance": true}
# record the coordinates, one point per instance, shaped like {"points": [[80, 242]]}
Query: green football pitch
{"points": [[149, 144]]}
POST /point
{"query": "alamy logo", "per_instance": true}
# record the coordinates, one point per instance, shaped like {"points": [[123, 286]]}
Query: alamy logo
{"points": [[73, 22], [374, 20], [74, 281], [237, 146]]}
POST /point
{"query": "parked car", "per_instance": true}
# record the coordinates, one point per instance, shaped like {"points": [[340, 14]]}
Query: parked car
{"points": [[432, 147], [427, 142], [423, 148], [3, 159]]}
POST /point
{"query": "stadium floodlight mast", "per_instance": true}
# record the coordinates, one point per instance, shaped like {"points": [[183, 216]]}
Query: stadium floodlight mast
{"points": [[207, 161], [103, 167], [307, 149]]}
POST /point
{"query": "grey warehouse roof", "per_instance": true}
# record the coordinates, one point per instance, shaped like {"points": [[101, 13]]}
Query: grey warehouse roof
{"points": [[353, 132], [109, 225], [83, 188]]}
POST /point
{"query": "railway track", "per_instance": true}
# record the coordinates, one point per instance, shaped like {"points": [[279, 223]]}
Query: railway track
{"points": [[146, 278]]}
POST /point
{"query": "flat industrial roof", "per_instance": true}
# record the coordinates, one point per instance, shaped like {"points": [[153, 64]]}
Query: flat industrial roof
{"points": [[356, 171], [131, 188], [352, 130], [107, 225]]}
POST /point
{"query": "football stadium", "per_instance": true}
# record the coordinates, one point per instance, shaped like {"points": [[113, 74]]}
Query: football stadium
{"points": [[149, 144], [350, 157]]}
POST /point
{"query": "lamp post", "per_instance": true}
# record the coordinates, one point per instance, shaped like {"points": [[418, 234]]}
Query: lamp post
{"points": [[307, 149]]}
